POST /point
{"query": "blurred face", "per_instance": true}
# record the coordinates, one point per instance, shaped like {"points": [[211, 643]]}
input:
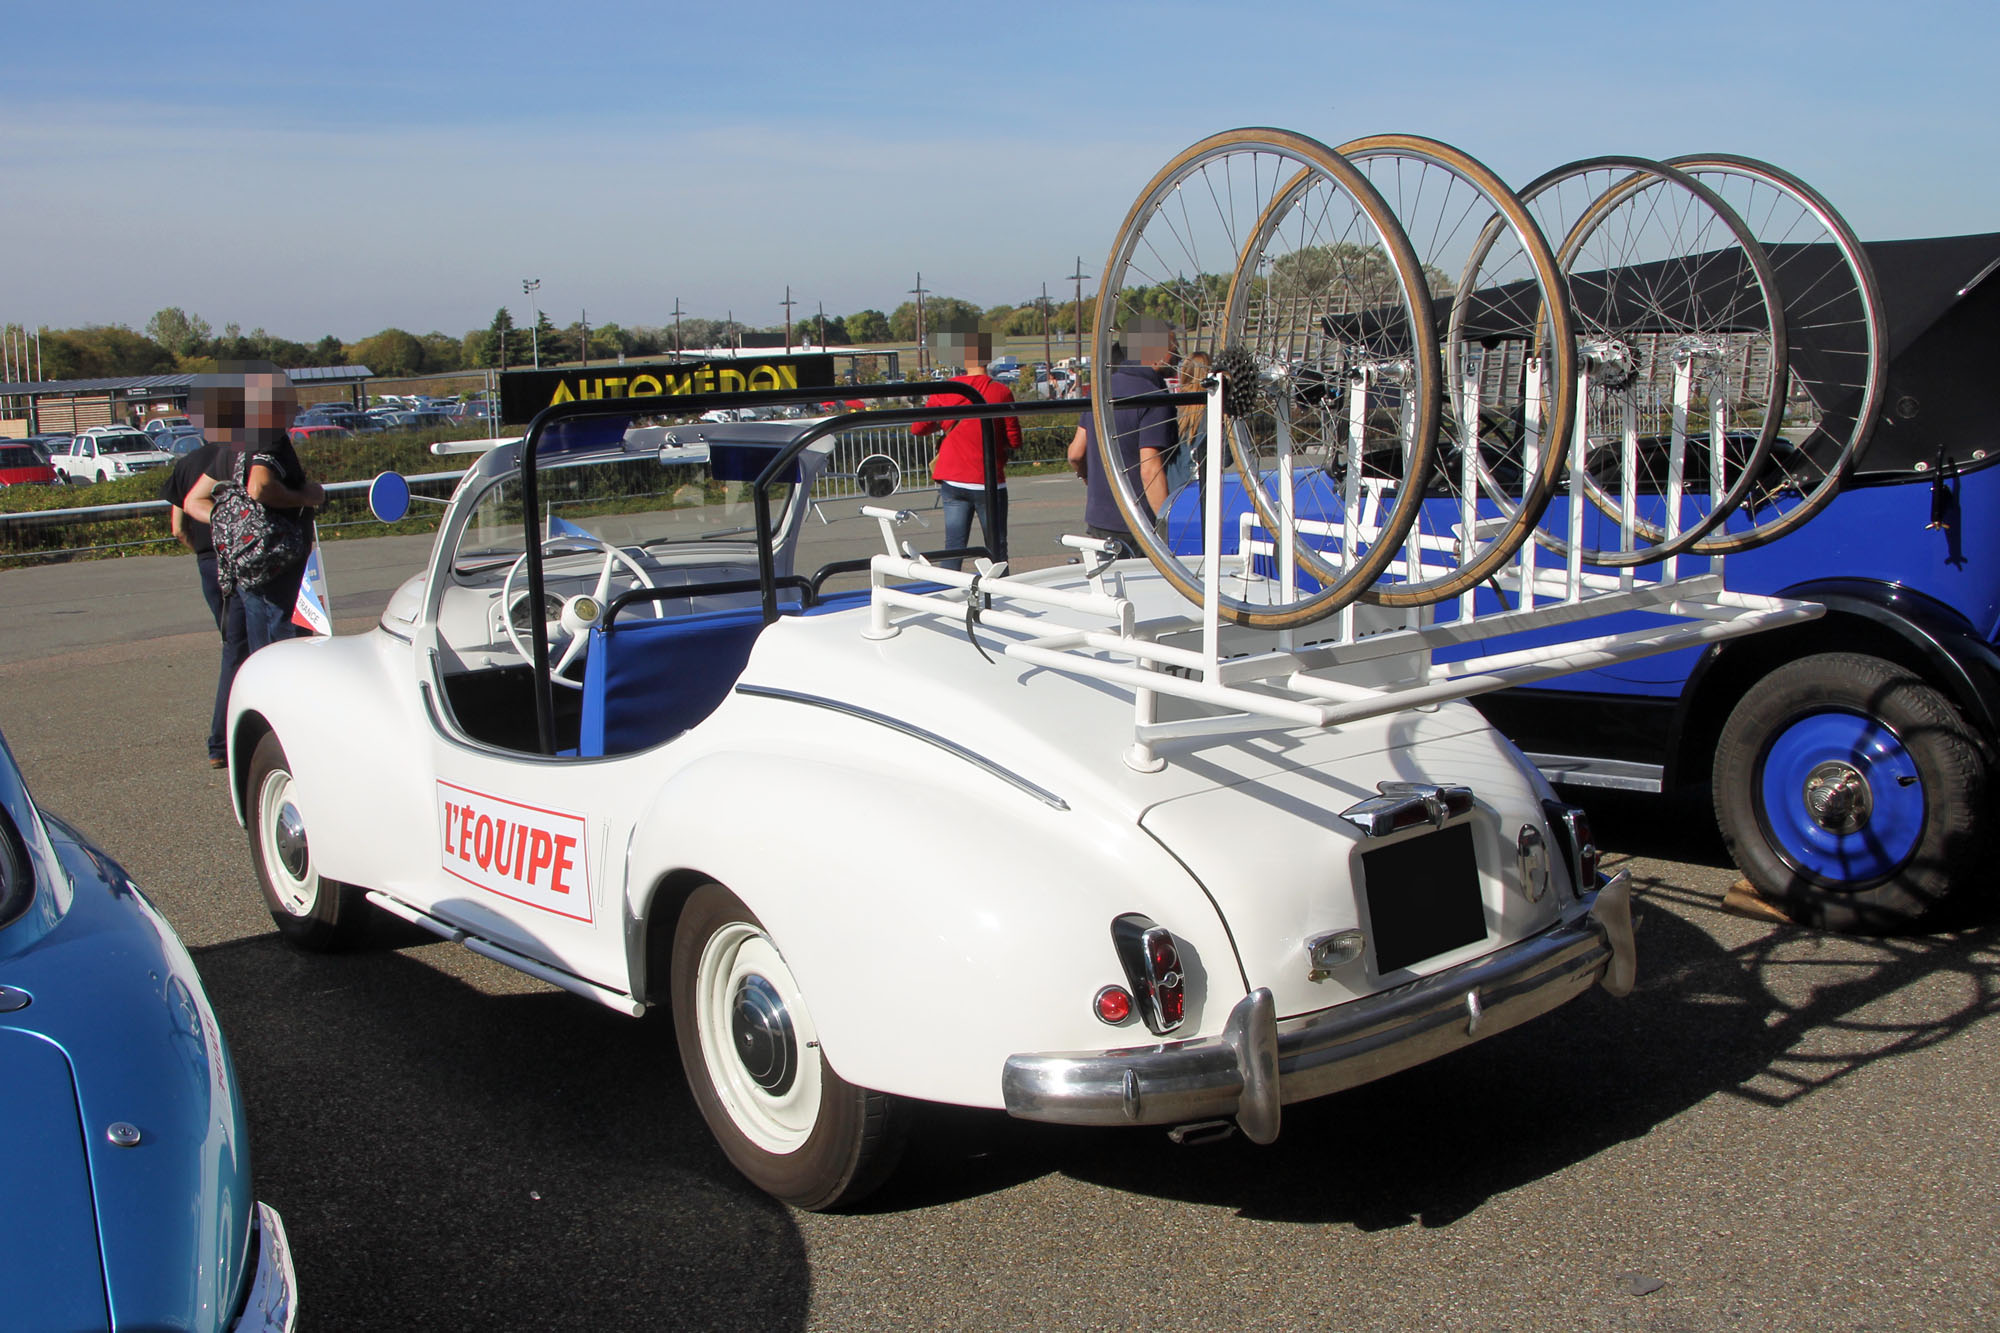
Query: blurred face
{"points": [[269, 402], [244, 409], [962, 349], [1151, 347]]}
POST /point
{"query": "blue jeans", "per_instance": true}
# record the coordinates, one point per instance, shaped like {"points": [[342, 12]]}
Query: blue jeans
{"points": [[267, 615], [960, 505], [235, 647]]}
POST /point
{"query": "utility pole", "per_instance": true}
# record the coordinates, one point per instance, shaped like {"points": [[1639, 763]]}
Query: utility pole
{"points": [[1048, 357], [529, 286], [822, 326], [585, 339], [677, 326], [923, 355], [1080, 277], [788, 303]]}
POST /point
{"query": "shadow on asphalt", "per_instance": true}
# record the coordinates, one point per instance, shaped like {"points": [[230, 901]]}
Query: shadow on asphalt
{"points": [[420, 1119], [420, 1210]]}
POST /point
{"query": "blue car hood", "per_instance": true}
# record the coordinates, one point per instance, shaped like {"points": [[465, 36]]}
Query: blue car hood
{"points": [[118, 1032], [50, 1266]]}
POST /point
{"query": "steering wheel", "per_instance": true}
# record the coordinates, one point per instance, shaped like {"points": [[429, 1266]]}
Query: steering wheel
{"points": [[571, 629]]}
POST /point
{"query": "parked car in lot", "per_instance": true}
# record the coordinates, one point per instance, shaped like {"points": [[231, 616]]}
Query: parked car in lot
{"points": [[156, 425], [178, 440], [611, 737], [126, 1198], [21, 465], [318, 434], [102, 453], [47, 446]]}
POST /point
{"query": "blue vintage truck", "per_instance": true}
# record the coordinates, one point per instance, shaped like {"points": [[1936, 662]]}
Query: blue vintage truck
{"points": [[1850, 757]]}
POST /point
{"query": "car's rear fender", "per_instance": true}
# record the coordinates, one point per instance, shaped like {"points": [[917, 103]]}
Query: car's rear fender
{"points": [[937, 919]]}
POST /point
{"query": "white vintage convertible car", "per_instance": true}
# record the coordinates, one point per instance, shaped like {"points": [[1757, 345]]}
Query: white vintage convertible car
{"points": [[902, 842]]}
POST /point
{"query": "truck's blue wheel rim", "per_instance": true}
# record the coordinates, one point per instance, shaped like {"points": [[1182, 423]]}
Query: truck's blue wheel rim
{"points": [[1842, 798]]}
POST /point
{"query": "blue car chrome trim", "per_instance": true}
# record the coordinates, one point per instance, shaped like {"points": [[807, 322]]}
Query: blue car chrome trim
{"points": [[1013, 779], [272, 1304], [1258, 1062]]}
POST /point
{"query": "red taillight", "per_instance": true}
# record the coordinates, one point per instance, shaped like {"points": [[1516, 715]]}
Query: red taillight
{"points": [[1114, 1004], [1571, 825], [1152, 963]]}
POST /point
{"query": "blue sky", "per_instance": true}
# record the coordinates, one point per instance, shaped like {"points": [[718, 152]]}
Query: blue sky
{"points": [[340, 168]]}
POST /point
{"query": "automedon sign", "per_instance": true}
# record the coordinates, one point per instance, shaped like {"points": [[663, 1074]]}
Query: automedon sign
{"points": [[523, 393]]}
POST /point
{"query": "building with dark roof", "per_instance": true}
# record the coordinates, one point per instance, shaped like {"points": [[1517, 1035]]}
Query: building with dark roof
{"points": [[55, 407]]}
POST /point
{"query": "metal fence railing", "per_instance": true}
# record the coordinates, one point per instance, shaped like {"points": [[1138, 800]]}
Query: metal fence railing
{"points": [[144, 523], [135, 526]]}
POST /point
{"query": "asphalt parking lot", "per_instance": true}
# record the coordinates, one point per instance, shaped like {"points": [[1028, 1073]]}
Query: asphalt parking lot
{"points": [[1777, 1130]]}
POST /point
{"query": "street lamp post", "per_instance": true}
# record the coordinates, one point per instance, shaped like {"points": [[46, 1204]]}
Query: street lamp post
{"points": [[529, 286]]}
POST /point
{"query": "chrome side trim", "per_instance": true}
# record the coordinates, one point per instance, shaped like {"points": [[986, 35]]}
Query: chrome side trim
{"points": [[555, 976], [272, 1305], [1258, 1062], [977, 760], [1616, 774]]}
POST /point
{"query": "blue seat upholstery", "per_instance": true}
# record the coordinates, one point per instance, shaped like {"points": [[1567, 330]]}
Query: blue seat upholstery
{"points": [[646, 681]]}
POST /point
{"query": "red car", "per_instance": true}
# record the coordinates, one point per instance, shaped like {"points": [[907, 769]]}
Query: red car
{"points": [[317, 434], [22, 466]]}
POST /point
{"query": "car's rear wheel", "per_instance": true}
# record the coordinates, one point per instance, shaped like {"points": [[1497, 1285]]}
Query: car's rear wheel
{"points": [[1853, 793], [310, 910], [753, 1059]]}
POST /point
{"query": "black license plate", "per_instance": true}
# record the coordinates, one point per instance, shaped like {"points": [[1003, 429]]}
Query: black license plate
{"points": [[1423, 897]]}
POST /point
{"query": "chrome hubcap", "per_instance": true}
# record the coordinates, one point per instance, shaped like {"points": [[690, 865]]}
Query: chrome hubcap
{"points": [[1838, 798], [761, 1031], [290, 839]]}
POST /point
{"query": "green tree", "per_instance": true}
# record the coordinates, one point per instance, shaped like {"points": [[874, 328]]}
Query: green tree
{"points": [[390, 352], [503, 345], [550, 343], [100, 351], [868, 326], [176, 330], [443, 352], [939, 312]]}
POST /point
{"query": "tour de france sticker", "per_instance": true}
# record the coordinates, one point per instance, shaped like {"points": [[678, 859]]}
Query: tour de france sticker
{"points": [[525, 853]]}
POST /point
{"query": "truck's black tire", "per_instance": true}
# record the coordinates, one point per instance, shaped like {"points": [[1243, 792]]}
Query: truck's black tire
{"points": [[1854, 794]]}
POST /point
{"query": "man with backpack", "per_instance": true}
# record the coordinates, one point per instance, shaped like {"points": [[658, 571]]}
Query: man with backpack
{"points": [[255, 497], [193, 533]]}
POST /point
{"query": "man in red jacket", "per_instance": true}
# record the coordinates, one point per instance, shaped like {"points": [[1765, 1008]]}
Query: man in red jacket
{"points": [[960, 465]]}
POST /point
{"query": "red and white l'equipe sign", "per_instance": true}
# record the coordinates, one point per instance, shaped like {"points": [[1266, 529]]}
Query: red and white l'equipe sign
{"points": [[527, 853]]}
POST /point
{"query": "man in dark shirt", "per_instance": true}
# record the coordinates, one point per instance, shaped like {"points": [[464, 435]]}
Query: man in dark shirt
{"points": [[192, 533], [251, 420], [1142, 436]]}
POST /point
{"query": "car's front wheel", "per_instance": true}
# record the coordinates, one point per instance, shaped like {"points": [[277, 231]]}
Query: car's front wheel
{"points": [[1853, 793], [310, 910], [786, 1120]]}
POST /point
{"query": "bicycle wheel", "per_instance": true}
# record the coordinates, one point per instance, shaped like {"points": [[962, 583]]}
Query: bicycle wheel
{"points": [[1509, 356], [1683, 356], [1271, 241], [1837, 335]]}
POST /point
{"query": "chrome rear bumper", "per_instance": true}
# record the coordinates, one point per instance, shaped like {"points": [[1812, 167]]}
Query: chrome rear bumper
{"points": [[1258, 1063]]}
